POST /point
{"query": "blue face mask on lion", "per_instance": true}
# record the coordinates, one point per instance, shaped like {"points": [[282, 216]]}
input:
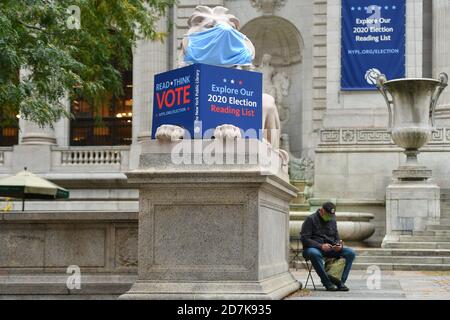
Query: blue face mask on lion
{"points": [[221, 45]]}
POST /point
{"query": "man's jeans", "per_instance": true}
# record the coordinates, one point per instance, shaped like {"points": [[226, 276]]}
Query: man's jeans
{"points": [[316, 257]]}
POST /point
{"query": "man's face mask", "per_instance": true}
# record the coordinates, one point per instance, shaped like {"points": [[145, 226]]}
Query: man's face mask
{"points": [[327, 217], [221, 46]]}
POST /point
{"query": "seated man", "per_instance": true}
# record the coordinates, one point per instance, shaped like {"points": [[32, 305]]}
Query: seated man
{"points": [[320, 239]]}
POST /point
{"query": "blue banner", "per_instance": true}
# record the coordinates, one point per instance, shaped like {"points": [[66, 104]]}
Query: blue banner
{"points": [[373, 42], [201, 97]]}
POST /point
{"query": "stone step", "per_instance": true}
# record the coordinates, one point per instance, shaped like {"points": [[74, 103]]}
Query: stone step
{"points": [[395, 266], [441, 232], [361, 252], [444, 221], [418, 245], [441, 226], [403, 260], [425, 233], [425, 238], [54, 286], [403, 266]]}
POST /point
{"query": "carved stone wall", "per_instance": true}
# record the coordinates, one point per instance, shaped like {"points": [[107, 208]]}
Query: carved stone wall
{"points": [[97, 242]]}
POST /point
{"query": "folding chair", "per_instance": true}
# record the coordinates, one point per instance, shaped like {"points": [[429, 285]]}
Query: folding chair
{"points": [[298, 255], [296, 250], [309, 267]]}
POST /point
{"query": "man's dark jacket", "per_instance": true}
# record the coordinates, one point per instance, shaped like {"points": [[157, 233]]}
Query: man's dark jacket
{"points": [[316, 232]]}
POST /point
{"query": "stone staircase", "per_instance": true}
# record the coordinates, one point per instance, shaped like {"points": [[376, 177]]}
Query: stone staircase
{"points": [[425, 250]]}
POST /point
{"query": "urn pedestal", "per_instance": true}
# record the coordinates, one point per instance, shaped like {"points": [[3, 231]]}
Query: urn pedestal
{"points": [[209, 230], [412, 199]]}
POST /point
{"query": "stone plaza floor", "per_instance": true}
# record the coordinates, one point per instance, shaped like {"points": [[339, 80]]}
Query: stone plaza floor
{"points": [[392, 285]]}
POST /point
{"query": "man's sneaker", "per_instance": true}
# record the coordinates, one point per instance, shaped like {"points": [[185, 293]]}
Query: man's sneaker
{"points": [[331, 287], [343, 287]]}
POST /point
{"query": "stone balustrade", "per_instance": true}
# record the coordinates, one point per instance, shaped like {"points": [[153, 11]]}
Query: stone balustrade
{"points": [[92, 159], [89, 156]]}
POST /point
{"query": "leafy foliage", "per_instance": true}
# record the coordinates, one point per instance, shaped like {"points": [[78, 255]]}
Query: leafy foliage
{"points": [[43, 58]]}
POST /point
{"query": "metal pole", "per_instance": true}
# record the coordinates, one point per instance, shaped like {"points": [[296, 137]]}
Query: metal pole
{"points": [[23, 204]]}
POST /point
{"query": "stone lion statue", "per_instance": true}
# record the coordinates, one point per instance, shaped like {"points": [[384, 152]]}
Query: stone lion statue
{"points": [[202, 19]]}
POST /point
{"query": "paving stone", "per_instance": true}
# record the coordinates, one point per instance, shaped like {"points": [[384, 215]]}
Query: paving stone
{"points": [[394, 285]]}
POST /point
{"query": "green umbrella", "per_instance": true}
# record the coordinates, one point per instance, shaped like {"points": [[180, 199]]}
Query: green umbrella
{"points": [[26, 185]]}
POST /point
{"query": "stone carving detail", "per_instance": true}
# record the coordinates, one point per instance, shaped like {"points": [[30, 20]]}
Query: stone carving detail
{"points": [[301, 169], [276, 84], [267, 6], [437, 135], [348, 135], [354, 136], [329, 136], [127, 244], [367, 136]]}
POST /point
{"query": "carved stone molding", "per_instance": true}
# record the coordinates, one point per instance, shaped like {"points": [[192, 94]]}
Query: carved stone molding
{"points": [[267, 6], [364, 136]]}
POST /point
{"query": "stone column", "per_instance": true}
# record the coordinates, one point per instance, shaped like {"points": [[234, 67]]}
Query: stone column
{"points": [[441, 56], [150, 58], [31, 133]]}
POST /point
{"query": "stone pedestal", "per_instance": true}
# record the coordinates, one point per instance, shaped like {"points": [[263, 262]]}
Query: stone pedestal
{"points": [[209, 230], [410, 206], [37, 158]]}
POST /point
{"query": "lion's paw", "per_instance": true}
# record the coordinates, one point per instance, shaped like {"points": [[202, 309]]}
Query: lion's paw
{"points": [[167, 133], [227, 131]]}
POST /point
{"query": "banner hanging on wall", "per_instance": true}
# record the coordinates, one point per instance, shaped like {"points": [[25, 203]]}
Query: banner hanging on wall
{"points": [[373, 42]]}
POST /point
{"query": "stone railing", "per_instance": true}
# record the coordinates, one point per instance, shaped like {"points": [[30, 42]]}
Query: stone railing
{"points": [[2, 158], [91, 157]]}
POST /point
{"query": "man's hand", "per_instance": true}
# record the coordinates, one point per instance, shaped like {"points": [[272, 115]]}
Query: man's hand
{"points": [[338, 247], [327, 247]]}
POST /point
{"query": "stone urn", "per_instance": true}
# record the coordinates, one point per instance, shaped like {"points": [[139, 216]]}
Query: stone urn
{"points": [[412, 198], [411, 105]]}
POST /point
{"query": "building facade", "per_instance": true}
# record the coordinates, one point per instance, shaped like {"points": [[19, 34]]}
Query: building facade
{"points": [[343, 132]]}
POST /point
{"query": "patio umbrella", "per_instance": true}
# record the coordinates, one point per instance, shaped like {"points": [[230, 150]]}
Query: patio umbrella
{"points": [[26, 185]]}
